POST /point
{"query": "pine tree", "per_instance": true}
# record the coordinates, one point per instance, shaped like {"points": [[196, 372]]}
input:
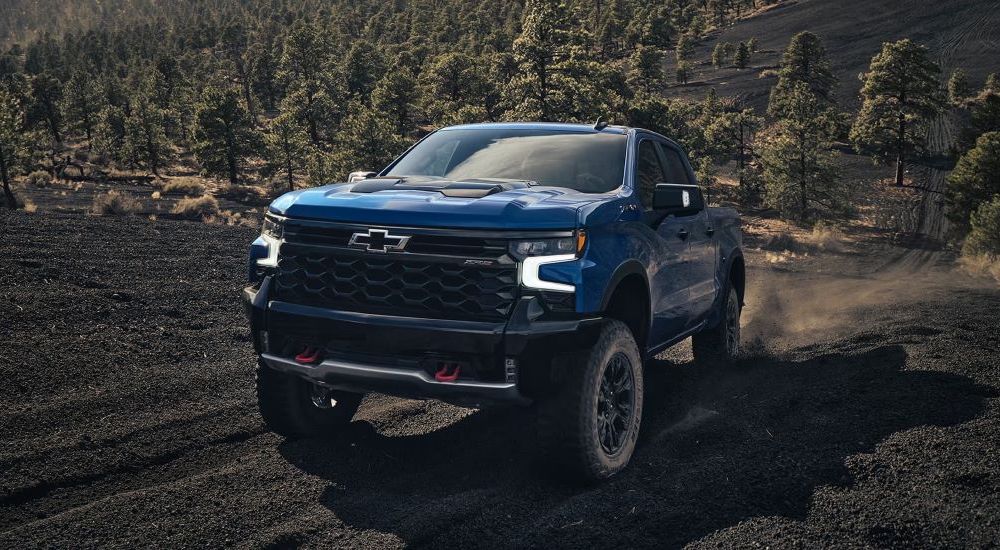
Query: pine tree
{"points": [[145, 142], [396, 96], [958, 87], [451, 80], [683, 72], [362, 68], [224, 137], [46, 93], [798, 164], [742, 57], [312, 94], [719, 57], [367, 140], [992, 83], [646, 69], [81, 103], [900, 95], [733, 135], [803, 61], [287, 147], [109, 133], [14, 147], [557, 75], [975, 180], [984, 236]]}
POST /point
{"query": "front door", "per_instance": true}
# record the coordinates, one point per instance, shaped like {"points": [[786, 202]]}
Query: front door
{"points": [[670, 277], [702, 252]]}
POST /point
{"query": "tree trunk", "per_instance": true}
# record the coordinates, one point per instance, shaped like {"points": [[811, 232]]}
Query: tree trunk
{"points": [[288, 164], [231, 154], [7, 192], [245, 82], [803, 203], [901, 142], [311, 119]]}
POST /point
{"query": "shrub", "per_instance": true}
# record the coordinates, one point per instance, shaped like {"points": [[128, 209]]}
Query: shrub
{"points": [[204, 208], [984, 237], [39, 178], [186, 186], [975, 180], [114, 203]]}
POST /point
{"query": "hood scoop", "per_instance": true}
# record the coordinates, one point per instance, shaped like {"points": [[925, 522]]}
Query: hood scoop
{"points": [[467, 189]]}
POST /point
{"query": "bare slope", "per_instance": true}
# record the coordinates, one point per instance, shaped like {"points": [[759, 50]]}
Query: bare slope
{"points": [[960, 33]]}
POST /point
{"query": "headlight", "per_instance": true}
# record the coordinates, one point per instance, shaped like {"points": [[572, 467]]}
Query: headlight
{"points": [[549, 247], [271, 231], [272, 227], [536, 253]]}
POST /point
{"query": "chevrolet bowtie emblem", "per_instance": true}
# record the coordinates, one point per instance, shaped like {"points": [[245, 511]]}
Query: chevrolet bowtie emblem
{"points": [[378, 240]]}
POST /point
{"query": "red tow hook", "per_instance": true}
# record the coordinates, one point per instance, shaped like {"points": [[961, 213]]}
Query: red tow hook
{"points": [[308, 356], [448, 372]]}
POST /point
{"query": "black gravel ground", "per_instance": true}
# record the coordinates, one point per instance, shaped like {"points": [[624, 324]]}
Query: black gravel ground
{"points": [[128, 419]]}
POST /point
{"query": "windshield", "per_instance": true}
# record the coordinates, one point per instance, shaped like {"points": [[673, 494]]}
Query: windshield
{"points": [[587, 162]]}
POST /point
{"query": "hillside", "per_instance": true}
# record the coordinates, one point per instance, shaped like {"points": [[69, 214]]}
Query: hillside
{"points": [[960, 33]]}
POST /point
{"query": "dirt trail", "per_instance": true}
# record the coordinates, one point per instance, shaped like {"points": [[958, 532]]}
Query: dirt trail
{"points": [[128, 419]]}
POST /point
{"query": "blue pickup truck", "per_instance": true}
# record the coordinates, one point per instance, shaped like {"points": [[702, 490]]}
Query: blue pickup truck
{"points": [[530, 263]]}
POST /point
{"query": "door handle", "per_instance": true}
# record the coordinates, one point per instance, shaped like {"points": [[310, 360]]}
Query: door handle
{"points": [[683, 234], [710, 231]]}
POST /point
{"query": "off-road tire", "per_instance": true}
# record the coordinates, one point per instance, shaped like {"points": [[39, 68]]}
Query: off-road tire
{"points": [[720, 346], [286, 404], [569, 421]]}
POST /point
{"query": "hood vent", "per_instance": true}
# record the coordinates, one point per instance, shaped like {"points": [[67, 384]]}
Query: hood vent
{"points": [[469, 189]]}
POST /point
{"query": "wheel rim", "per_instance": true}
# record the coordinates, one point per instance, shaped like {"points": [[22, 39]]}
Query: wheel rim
{"points": [[615, 404], [733, 328]]}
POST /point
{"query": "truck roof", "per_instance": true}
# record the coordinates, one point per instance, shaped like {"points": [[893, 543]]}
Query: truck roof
{"points": [[556, 126]]}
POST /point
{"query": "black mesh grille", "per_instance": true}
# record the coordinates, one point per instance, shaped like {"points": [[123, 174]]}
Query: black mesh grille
{"points": [[396, 285]]}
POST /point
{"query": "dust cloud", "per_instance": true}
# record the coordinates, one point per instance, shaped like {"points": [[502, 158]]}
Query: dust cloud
{"points": [[792, 309]]}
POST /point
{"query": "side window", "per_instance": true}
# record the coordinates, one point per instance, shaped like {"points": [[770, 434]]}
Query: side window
{"points": [[648, 172], [675, 169]]}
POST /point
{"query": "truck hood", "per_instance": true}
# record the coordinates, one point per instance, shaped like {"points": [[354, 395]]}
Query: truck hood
{"points": [[432, 202]]}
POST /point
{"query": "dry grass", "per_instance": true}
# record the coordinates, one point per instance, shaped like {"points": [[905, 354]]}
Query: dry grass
{"points": [[205, 208], [114, 203], [184, 185], [39, 178], [30, 207], [981, 265]]}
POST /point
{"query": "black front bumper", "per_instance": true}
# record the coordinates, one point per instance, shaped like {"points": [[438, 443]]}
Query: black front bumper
{"points": [[504, 361]]}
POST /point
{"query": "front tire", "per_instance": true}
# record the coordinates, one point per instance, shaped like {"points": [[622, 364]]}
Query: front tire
{"points": [[590, 427], [295, 408], [720, 345]]}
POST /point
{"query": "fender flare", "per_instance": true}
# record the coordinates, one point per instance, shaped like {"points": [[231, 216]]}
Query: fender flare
{"points": [[727, 270], [626, 268]]}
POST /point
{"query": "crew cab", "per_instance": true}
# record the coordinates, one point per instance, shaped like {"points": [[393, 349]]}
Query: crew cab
{"points": [[529, 263]]}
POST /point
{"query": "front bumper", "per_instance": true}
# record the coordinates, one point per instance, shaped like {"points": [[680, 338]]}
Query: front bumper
{"points": [[503, 361]]}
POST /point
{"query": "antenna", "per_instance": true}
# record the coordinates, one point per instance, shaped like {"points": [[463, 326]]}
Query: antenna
{"points": [[600, 124]]}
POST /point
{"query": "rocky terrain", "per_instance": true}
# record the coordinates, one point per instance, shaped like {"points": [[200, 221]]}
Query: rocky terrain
{"points": [[866, 414]]}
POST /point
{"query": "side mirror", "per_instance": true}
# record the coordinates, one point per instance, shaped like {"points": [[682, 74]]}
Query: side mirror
{"points": [[678, 199], [360, 175]]}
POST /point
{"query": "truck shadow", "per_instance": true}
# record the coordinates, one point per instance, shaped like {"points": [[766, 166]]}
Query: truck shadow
{"points": [[717, 448]]}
